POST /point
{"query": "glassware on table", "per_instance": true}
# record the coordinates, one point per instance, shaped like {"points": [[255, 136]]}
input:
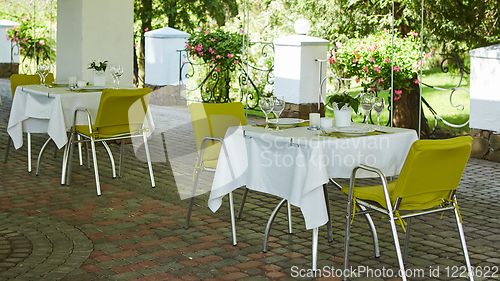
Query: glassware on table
{"points": [[43, 71], [116, 72], [366, 101], [378, 106], [279, 106], [267, 105]]}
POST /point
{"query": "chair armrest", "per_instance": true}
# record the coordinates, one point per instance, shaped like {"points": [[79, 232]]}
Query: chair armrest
{"points": [[372, 170], [200, 153], [89, 118]]}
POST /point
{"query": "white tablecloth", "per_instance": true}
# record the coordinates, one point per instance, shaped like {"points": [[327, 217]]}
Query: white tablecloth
{"points": [[295, 163], [47, 110]]}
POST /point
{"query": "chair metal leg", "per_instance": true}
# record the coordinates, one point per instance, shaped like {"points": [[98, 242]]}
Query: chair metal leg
{"points": [[69, 159], [79, 138], [270, 223], [65, 160], [464, 245], [233, 223], [347, 237], [96, 169], [369, 220], [87, 156], [148, 157], [329, 223], [29, 152], [111, 159], [289, 212], [243, 199], [407, 240], [42, 150], [398, 248], [120, 164], [191, 201], [7, 148]]}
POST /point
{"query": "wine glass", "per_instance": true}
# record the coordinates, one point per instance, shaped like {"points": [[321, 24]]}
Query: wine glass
{"points": [[266, 105], [378, 106], [279, 106], [43, 71], [112, 70], [118, 72], [366, 100]]}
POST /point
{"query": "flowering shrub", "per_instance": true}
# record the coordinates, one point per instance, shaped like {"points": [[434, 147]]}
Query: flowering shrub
{"points": [[216, 47], [369, 60], [30, 36]]}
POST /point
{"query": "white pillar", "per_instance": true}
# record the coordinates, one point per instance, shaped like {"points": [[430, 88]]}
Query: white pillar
{"points": [[94, 30]]}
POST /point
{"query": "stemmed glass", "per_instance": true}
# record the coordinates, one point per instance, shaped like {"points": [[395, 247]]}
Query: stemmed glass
{"points": [[279, 106], [267, 105], [366, 100], [117, 72], [378, 106], [43, 71]]}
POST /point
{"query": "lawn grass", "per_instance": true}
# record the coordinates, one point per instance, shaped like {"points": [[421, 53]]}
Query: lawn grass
{"points": [[438, 100]]}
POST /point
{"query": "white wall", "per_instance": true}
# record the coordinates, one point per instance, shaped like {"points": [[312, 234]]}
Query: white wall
{"points": [[94, 30]]}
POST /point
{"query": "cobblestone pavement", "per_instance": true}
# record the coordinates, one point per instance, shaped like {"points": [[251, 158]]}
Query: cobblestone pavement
{"points": [[134, 232]]}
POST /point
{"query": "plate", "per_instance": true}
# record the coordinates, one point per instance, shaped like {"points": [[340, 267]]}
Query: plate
{"points": [[287, 122], [353, 131], [61, 83], [92, 88]]}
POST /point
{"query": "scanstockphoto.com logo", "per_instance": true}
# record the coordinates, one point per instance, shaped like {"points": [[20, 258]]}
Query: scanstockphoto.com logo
{"points": [[25, 6]]}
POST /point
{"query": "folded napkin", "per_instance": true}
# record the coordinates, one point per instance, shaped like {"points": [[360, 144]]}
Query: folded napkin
{"points": [[340, 135], [303, 124]]}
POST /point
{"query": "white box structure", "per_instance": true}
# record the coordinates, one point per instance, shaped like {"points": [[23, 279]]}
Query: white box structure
{"points": [[484, 88], [296, 71], [163, 59], [5, 46]]}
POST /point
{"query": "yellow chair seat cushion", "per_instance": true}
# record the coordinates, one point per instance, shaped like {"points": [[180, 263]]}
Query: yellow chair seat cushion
{"points": [[371, 193], [108, 132]]}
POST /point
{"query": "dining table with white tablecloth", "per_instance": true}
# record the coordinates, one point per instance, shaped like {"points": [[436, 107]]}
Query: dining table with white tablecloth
{"points": [[295, 163]]}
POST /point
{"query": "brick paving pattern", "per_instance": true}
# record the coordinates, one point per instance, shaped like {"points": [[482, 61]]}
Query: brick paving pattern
{"points": [[50, 231]]}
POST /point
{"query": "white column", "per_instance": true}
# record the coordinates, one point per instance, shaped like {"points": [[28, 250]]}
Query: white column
{"points": [[94, 30]]}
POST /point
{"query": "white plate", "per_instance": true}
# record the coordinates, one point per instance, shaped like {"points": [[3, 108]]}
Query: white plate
{"points": [[353, 131], [61, 83], [287, 122], [92, 88]]}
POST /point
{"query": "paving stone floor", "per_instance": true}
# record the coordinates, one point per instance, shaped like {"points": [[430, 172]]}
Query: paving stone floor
{"points": [[50, 231]]}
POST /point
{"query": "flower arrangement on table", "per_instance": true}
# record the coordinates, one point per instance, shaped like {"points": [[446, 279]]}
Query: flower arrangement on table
{"points": [[98, 65], [369, 60], [33, 38]]}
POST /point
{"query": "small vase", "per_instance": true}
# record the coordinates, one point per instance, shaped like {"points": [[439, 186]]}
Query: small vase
{"points": [[99, 78], [342, 117]]}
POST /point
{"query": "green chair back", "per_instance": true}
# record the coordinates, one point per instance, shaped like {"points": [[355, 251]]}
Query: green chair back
{"points": [[432, 169], [24, 79]]}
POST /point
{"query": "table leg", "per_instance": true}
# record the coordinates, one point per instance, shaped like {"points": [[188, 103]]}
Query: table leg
{"points": [[314, 247], [233, 223]]}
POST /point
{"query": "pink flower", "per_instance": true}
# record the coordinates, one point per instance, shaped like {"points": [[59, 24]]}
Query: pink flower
{"points": [[387, 60], [207, 32], [212, 39], [354, 61], [369, 49], [20, 17], [416, 81], [24, 20], [218, 57], [146, 29], [201, 29], [376, 68], [365, 68], [357, 80], [372, 59], [236, 61], [183, 63], [372, 90], [381, 80], [7, 36], [338, 44], [207, 25], [397, 98], [230, 40], [241, 31], [218, 70], [200, 46], [42, 42], [428, 56], [413, 33], [211, 50], [332, 60], [398, 92], [201, 54], [24, 40], [396, 68], [229, 55]]}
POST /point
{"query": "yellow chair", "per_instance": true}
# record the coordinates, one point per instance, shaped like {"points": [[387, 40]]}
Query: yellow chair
{"points": [[210, 122], [120, 115], [23, 79], [427, 184]]}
